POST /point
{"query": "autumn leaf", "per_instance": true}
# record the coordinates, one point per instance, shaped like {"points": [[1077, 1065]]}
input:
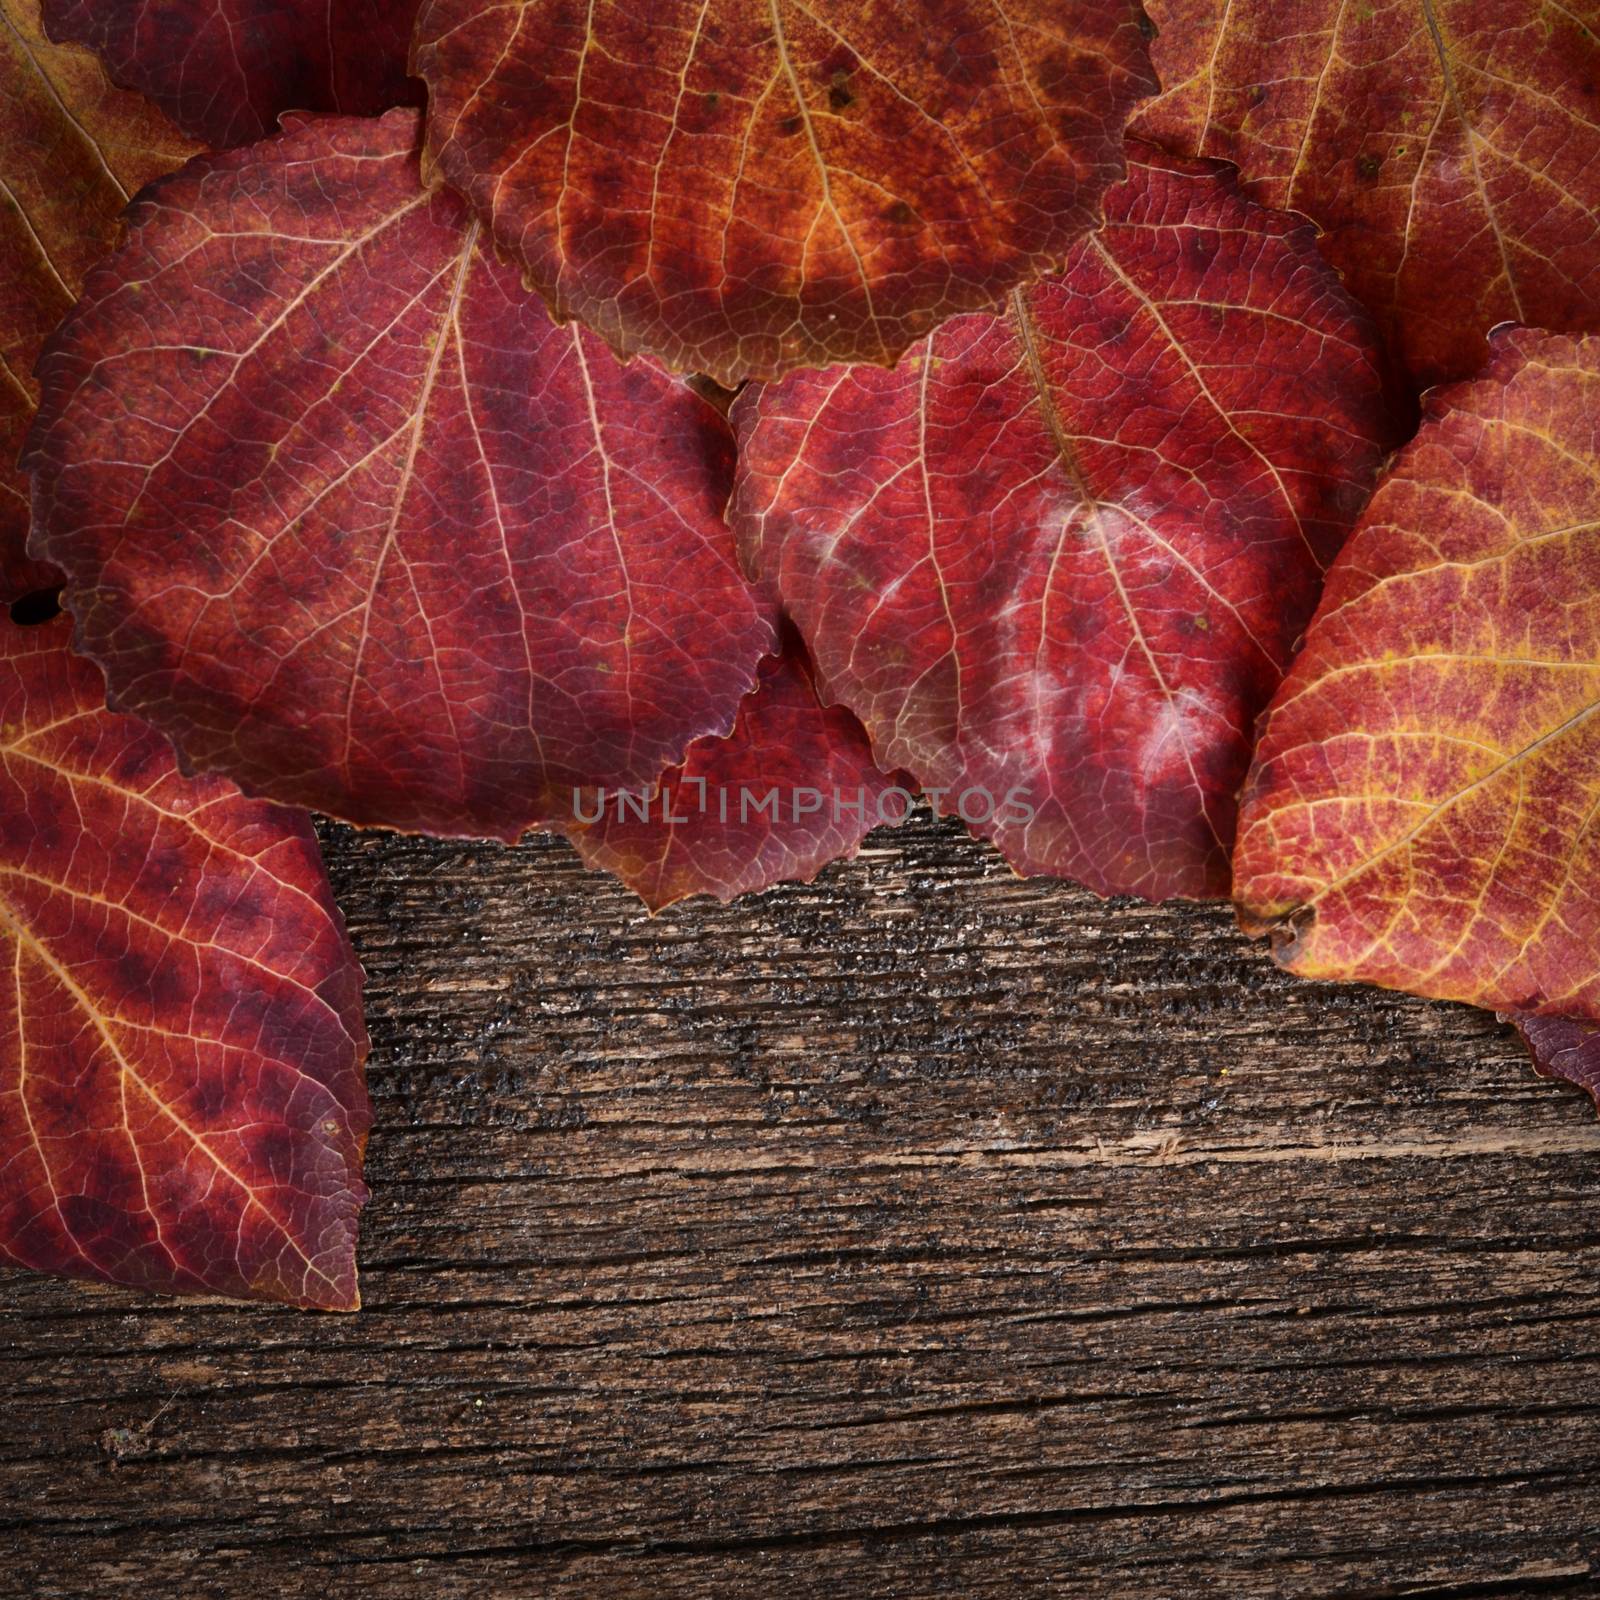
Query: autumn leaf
{"points": [[72, 151], [1422, 809], [1450, 148], [349, 519], [1061, 553], [1562, 1048], [182, 1106], [224, 70], [791, 788], [743, 188]]}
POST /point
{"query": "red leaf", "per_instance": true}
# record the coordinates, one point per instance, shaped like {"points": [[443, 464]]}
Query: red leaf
{"points": [[1451, 149], [224, 70], [1562, 1048], [72, 150], [353, 523], [182, 1106], [790, 789], [1066, 549], [1421, 813], [745, 187]]}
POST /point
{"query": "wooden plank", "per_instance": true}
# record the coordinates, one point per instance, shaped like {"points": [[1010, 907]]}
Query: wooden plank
{"points": [[921, 1232]]}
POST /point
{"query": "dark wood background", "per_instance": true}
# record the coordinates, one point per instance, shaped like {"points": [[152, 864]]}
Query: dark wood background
{"points": [[920, 1232]]}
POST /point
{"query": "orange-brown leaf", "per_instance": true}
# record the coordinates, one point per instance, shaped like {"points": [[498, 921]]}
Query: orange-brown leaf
{"points": [[1423, 808], [73, 149], [746, 186], [1450, 148]]}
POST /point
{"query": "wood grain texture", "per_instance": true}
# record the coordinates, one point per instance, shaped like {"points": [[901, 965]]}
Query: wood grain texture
{"points": [[923, 1232]]}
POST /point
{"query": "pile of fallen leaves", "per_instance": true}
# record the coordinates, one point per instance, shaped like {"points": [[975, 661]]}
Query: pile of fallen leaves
{"points": [[699, 427]]}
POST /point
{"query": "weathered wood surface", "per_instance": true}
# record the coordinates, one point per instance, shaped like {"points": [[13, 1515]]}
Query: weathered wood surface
{"points": [[922, 1232]]}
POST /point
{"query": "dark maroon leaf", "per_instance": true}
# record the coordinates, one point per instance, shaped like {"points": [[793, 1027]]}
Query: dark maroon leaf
{"points": [[1562, 1048], [224, 70]]}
